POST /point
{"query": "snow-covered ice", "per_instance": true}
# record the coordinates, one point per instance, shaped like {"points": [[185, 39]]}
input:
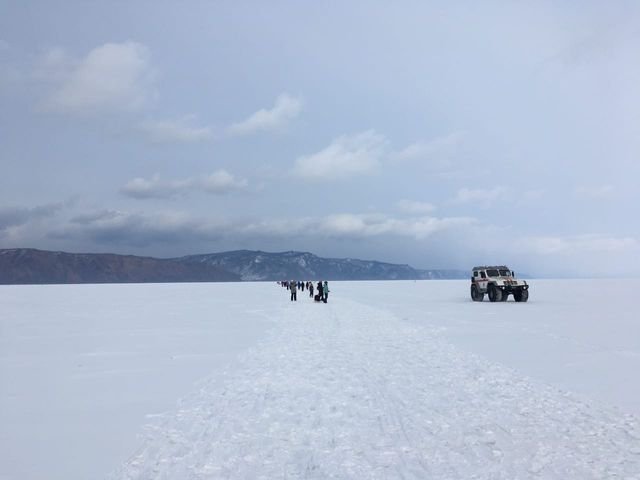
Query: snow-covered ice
{"points": [[82, 366], [388, 380]]}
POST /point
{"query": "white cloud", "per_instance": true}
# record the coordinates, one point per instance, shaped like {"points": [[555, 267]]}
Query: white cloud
{"points": [[579, 244], [438, 152], [363, 153], [482, 197], [112, 77], [411, 206], [277, 227], [346, 156], [348, 225], [180, 130], [154, 187], [109, 219], [219, 182], [596, 192], [367, 225], [285, 109]]}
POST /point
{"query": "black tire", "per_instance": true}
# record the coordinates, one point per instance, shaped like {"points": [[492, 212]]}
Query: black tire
{"points": [[495, 294], [521, 295], [476, 295]]}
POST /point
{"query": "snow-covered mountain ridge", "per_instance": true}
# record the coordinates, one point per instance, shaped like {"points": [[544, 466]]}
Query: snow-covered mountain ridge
{"points": [[258, 265], [31, 266]]}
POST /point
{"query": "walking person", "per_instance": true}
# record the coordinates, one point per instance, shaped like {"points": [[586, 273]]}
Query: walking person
{"points": [[325, 291], [292, 289], [311, 289], [319, 288]]}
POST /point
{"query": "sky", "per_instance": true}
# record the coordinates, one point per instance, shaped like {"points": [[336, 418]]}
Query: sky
{"points": [[438, 134]]}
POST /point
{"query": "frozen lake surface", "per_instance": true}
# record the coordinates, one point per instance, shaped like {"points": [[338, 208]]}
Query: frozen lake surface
{"points": [[388, 380]]}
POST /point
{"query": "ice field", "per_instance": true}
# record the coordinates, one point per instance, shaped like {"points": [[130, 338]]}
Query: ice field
{"points": [[388, 380]]}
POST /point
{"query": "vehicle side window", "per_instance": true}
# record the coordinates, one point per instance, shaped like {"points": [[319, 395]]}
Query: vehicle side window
{"points": [[482, 274], [475, 274]]}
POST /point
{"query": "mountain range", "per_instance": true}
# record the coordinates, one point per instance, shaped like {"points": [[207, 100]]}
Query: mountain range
{"points": [[31, 266]]}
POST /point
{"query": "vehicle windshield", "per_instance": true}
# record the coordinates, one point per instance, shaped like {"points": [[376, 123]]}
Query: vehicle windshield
{"points": [[492, 273], [505, 273]]}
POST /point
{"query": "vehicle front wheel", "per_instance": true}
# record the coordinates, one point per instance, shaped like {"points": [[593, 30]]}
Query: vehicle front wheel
{"points": [[495, 294], [476, 295], [521, 295]]}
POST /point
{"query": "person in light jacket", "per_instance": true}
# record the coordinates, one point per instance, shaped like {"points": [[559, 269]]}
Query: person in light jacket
{"points": [[325, 292], [292, 289]]}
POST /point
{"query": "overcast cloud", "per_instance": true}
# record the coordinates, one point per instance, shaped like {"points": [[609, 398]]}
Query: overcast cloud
{"points": [[111, 77], [441, 134]]}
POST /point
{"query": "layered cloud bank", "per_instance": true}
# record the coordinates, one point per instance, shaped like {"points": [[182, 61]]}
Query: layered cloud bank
{"points": [[164, 232], [219, 182]]}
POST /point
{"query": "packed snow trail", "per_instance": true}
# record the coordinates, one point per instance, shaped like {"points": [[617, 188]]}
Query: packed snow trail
{"points": [[347, 391]]}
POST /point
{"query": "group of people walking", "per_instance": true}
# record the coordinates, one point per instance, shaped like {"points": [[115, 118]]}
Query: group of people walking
{"points": [[321, 289]]}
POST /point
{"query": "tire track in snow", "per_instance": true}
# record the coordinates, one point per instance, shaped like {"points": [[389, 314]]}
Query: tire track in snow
{"points": [[347, 391]]}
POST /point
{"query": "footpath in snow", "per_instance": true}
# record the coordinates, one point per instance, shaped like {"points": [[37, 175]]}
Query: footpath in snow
{"points": [[347, 391]]}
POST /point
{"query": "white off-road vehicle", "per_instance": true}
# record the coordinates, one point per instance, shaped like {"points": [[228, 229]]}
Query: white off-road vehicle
{"points": [[499, 282]]}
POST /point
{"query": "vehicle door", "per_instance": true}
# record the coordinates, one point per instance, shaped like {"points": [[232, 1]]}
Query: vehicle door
{"points": [[483, 281]]}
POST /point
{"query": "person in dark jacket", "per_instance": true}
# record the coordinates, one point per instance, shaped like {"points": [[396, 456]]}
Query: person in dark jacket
{"points": [[311, 289]]}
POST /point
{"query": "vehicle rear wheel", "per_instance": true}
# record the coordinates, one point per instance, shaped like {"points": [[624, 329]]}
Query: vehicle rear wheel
{"points": [[495, 294], [476, 295], [521, 295]]}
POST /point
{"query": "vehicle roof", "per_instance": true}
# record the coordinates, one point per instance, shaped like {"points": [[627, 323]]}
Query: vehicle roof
{"points": [[496, 267]]}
